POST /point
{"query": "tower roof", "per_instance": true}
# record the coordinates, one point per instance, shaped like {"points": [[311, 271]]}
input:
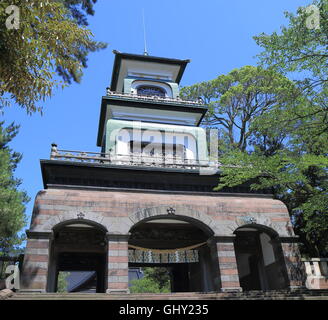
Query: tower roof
{"points": [[174, 68]]}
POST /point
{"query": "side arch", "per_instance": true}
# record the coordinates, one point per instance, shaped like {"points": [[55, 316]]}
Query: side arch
{"points": [[281, 229], [260, 227], [80, 221], [259, 257], [76, 216]]}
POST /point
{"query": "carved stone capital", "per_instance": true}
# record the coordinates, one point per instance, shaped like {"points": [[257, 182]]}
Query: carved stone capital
{"points": [[292, 239], [118, 237], [39, 234], [221, 239]]}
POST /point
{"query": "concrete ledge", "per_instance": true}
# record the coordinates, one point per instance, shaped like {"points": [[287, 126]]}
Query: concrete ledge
{"points": [[5, 294], [118, 291], [317, 283], [32, 291], [235, 289]]}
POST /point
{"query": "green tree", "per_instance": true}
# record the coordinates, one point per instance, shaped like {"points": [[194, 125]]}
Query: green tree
{"points": [[51, 40], [301, 52], [297, 170], [12, 200], [62, 281], [155, 280], [159, 275], [79, 9], [236, 99]]}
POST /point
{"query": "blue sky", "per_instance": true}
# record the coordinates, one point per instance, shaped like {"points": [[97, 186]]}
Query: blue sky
{"points": [[215, 34]]}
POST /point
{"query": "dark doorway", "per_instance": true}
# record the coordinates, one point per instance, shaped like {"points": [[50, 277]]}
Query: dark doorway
{"points": [[259, 260], [79, 250], [86, 271], [190, 270], [249, 260]]}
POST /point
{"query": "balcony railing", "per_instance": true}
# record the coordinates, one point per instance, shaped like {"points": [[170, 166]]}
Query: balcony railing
{"points": [[154, 98], [316, 272], [132, 159]]}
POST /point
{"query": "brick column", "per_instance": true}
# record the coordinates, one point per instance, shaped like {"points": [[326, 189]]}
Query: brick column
{"points": [[36, 261], [118, 264], [228, 271], [295, 267]]}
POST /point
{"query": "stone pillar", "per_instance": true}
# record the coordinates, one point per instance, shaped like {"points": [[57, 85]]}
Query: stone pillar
{"points": [[294, 265], [316, 273], [118, 264], [228, 271], [36, 261]]}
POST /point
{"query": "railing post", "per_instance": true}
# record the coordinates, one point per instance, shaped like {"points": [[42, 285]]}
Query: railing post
{"points": [[317, 273], [316, 266], [54, 151], [308, 268], [324, 268]]}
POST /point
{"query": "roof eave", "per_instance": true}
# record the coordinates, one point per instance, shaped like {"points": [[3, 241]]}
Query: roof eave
{"points": [[119, 56]]}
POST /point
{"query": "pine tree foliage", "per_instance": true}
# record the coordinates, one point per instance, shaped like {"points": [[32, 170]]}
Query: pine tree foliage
{"points": [[12, 200]]}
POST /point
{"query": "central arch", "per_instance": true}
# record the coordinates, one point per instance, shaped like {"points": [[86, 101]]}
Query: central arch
{"points": [[202, 220], [178, 243]]}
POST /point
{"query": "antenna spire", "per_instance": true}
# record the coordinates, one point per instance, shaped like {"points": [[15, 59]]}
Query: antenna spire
{"points": [[144, 29]]}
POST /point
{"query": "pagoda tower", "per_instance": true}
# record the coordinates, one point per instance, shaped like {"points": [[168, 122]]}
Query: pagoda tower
{"points": [[147, 199]]}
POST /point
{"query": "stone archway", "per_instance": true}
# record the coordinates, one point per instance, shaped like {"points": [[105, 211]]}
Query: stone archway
{"points": [[190, 269], [78, 248], [259, 258], [78, 214], [203, 220]]}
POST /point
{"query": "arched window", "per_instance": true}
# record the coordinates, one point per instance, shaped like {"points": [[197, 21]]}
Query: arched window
{"points": [[151, 91]]}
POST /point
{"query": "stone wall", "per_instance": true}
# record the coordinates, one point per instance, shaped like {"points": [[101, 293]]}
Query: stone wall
{"points": [[118, 211]]}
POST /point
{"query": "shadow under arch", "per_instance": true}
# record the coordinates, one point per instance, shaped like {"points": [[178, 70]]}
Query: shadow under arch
{"points": [[188, 256], [200, 224], [79, 247], [203, 220], [260, 227], [260, 260], [88, 222]]}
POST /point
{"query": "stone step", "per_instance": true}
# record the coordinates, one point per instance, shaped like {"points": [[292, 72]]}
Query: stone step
{"points": [[251, 295]]}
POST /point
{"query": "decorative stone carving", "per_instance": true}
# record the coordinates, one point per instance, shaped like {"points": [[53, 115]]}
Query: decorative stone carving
{"points": [[249, 220], [80, 215], [170, 211], [188, 256]]}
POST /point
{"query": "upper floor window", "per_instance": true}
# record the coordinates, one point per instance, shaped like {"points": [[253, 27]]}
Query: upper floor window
{"points": [[151, 91]]}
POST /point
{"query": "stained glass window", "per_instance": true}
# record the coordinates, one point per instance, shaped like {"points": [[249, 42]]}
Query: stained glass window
{"points": [[151, 91]]}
